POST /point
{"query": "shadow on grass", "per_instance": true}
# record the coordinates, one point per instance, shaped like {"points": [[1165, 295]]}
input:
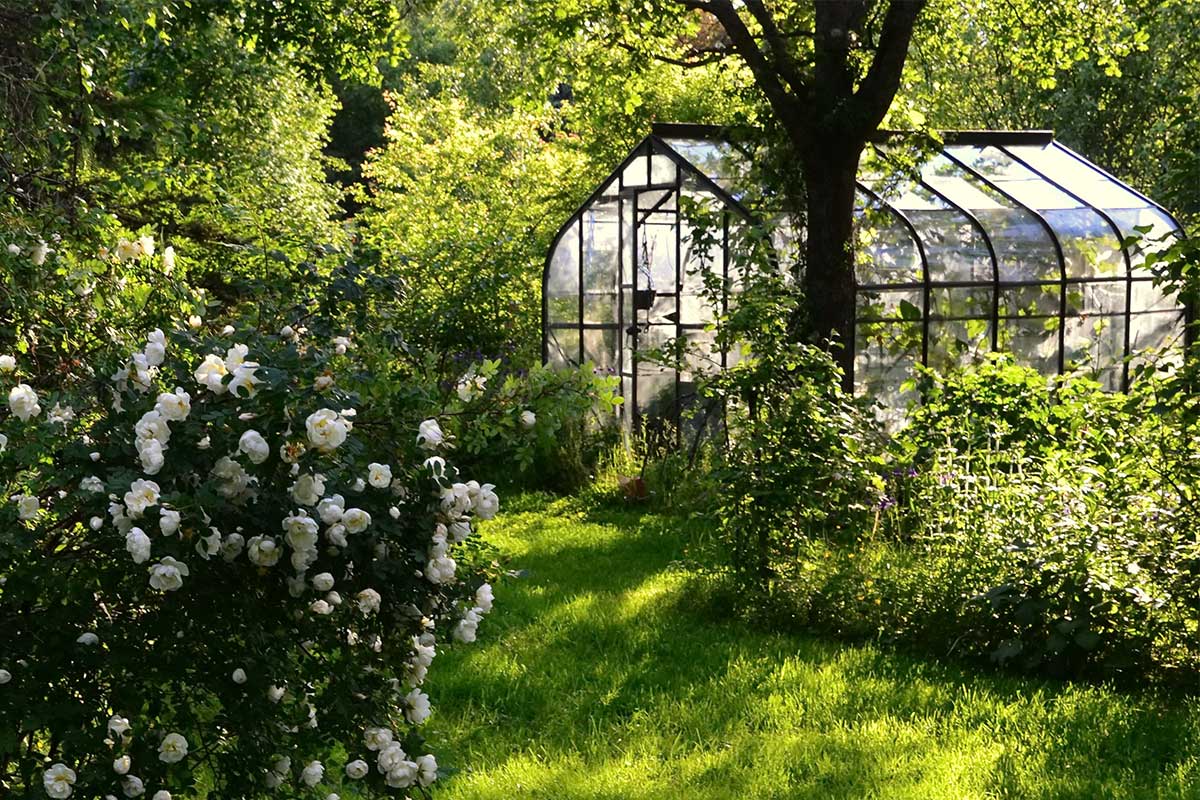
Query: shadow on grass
{"points": [[600, 675]]}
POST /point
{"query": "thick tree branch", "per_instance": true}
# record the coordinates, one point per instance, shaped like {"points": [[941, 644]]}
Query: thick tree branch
{"points": [[784, 63], [875, 93], [766, 75]]}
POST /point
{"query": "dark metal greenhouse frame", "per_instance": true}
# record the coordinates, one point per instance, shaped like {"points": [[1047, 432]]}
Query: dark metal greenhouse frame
{"points": [[1006, 143]]}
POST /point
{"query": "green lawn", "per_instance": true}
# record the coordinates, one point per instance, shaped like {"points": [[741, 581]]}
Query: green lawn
{"points": [[601, 674]]}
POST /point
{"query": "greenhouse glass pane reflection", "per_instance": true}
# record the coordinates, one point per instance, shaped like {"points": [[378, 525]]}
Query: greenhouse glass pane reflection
{"points": [[1003, 241]]}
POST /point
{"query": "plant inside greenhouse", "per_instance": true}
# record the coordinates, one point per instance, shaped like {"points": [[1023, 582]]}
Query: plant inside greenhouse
{"points": [[689, 399]]}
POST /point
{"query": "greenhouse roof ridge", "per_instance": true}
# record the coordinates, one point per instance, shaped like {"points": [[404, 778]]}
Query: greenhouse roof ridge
{"points": [[694, 130]]}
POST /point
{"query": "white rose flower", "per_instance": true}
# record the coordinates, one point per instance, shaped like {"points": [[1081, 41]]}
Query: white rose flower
{"points": [[255, 446], [14, 250], [244, 378], [150, 451], [7, 363], [356, 520], [27, 506], [121, 765], [174, 748], [118, 725], [174, 406], [440, 570], [307, 489], [239, 675], [23, 401], [168, 267], [60, 414], [341, 344], [194, 322], [333, 598], [301, 531], [416, 707], [312, 773], [368, 601], [96, 523], [459, 531], [487, 504], [92, 484], [142, 494], [88, 639], [394, 512], [426, 769], [429, 435], [467, 627], [168, 574], [153, 425], [528, 419], [4, 443], [138, 545], [330, 509], [275, 693], [162, 794], [391, 754], [322, 582], [297, 585], [156, 348], [263, 551], [357, 769], [211, 373], [58, 781], [323, 382], [39, 253], [403, 776], [379, 475], [290, 452], [168, 521], [132, 786], [337, 535], [436, 465], [321, 607], [484, 598], [231, 548], [327, 429], [145, 245]]}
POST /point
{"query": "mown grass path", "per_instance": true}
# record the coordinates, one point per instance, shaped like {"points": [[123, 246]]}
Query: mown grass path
{"points": [[600, 675]]}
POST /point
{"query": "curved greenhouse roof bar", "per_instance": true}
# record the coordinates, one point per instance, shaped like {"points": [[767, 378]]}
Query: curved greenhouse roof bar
{"points": [[1001, 241]]}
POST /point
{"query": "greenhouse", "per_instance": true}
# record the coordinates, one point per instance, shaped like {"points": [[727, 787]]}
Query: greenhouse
{"points": [[1004, 241]]}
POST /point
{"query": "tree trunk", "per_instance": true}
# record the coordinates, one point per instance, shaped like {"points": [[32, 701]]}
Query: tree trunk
{"points": [[829, 281]]}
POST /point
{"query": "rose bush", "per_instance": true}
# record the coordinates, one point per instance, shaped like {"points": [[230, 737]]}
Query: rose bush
{"points": [[223, 573]]}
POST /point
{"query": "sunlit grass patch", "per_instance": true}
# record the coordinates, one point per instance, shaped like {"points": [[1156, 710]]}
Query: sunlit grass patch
{"points": [[601, 674]]}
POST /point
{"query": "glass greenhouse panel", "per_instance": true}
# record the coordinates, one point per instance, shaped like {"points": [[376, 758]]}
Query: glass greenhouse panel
{"points": [[563, 347], [600, 347], [1096, 345], [893, 304], [1089, 243], [1025, 250], [1033, 341], [885, 355], [957, 343], [887, 252], [562, 278], [1126, 207]]}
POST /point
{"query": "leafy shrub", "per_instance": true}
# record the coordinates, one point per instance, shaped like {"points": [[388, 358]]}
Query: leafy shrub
{"points": [[223, 568]]}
